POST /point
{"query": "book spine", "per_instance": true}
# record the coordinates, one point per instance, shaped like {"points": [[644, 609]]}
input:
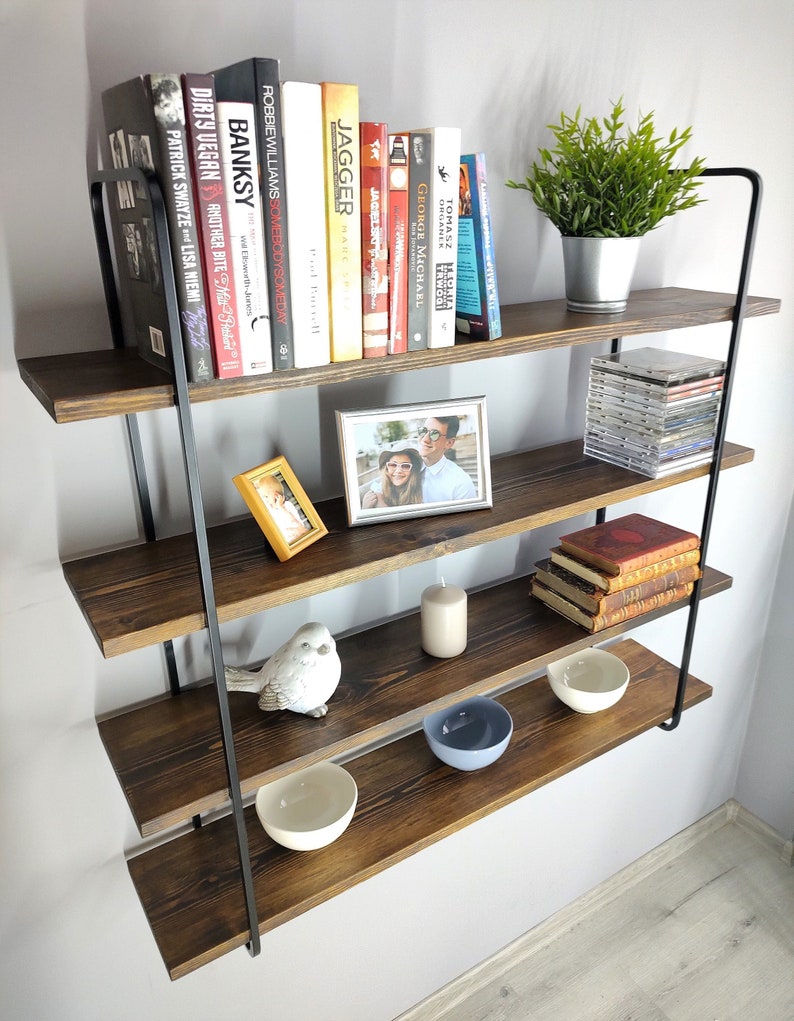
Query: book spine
{"points": [[375, 237], [615, 583], [341, 144], [237, 137], [595, 601], [209, 192], [477, 308], [418, 239], [398, 238], [598, 622], [444, 167], [301, 108], [181, 214], [271, 157]]}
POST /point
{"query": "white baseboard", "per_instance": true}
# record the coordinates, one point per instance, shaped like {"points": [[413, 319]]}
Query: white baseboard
{"points": [[545, 932]]}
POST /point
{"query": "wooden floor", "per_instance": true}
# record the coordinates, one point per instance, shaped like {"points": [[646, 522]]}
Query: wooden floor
{"points": [[701, 929]]}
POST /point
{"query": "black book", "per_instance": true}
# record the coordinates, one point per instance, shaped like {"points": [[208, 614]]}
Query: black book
{"points": [[256, 81], [145, 128]]}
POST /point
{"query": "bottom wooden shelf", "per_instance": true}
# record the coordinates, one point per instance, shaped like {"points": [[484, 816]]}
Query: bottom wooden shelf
{"points": [[190, 888]]}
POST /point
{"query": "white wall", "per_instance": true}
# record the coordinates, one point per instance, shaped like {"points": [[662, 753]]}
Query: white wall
{"points": [[75, 944]]}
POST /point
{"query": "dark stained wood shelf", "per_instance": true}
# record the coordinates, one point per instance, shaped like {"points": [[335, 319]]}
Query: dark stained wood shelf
{"points": [[190, 888], [388, 685], [144, 594], [94, 384]]}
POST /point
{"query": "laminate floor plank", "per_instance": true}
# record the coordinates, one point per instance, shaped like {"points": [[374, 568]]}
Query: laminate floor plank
{"points": [[708, 935]]}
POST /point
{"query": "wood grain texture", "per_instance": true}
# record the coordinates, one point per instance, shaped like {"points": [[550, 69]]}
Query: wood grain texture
{"points": [[168, 759], [99, 383], [144, 594], [408, 800]]}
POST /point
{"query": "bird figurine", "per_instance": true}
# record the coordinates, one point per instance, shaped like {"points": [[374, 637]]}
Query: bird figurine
{"points": [[300, 676]]}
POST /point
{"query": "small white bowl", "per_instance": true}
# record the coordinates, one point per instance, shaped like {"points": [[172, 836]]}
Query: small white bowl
{"points": [[589, 681], [310, 808]]}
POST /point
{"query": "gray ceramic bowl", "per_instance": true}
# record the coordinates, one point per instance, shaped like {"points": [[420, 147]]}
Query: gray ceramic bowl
{"points": [[471, 734]]}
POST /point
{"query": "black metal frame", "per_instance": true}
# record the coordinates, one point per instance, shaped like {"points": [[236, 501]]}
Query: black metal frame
{"points": [[98, 183], [722, 420]]}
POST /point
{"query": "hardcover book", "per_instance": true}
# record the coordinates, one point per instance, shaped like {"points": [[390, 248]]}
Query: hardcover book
{"points": [[145, 127], [419, 176], [257, 81], [628, 543], [444, 158], [237, 135], [302, 116], [398, 240], [595, 600], [597, 622], [375, 237], [202, 129], [341, 134], [614, 583], [477, 311]]}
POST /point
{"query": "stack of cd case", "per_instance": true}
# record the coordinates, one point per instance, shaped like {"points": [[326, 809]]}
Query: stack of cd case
{"points": [[653, 411]]}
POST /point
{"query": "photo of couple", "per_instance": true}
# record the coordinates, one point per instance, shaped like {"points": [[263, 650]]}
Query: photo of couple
{"points": [[420, 459]]}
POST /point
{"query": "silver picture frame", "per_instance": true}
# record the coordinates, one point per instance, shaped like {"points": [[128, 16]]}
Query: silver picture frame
{"points": [[413, 460]]}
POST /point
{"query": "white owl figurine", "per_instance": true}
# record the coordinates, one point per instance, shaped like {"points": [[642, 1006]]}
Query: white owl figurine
{"points": [[300, 676]]}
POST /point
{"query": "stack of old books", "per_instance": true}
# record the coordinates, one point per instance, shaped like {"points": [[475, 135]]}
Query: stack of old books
{"points": [[612, 572], [653, 411]]}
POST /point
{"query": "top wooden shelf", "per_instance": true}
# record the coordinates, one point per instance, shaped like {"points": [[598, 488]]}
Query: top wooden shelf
{"points": [[97, 384]]}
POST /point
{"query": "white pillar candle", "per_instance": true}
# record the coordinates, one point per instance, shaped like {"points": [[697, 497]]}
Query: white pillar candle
{"points": [[444, 628]]}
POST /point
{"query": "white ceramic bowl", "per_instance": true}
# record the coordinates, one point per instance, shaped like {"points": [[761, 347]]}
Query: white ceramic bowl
{"points": [[589, 681], [469, 735], [310, 808]]}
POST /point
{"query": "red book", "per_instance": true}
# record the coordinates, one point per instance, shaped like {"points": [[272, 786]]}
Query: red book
{"points": [[398, 239], [628, 543], [211, 215], [375, 237]]}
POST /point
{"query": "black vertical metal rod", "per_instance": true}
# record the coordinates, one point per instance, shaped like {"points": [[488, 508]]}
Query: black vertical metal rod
{"points": [[739, 311], [192, 475]]}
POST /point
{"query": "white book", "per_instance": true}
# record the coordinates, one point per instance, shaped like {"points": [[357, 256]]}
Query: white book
{"points": [[302, 131], [240, 167], [445, 146]]}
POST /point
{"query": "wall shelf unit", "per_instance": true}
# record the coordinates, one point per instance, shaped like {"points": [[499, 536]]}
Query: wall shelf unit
{"points": [[222, 884]]}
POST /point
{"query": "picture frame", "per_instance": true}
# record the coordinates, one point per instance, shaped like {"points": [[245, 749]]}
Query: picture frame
{"points": [[280, 507], [395, 467]]}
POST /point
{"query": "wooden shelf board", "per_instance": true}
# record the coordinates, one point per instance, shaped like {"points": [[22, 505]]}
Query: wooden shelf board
{"points": [[408, 800], [144, 594], [168, 759], [94, 384]]}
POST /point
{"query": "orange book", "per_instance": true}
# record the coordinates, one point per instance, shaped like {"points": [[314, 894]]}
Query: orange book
{"points": [[341, 149], [595, 600], [628, 543], [597, 622], [617, 582]]}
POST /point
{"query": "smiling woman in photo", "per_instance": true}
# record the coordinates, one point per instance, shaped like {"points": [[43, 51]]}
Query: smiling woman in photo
{"points": [[399, 482]]}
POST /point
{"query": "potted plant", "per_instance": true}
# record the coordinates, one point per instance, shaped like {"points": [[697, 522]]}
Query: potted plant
{"points": [[603, 189]]}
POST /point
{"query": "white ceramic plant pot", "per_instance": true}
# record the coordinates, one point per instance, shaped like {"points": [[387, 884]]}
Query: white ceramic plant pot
{"points": [[598, 272]]}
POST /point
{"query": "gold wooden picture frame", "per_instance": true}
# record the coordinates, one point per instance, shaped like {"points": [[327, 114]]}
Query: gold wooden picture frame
{"points": [[281, 507]]}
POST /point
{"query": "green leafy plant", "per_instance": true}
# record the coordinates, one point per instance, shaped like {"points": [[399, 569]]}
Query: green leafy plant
{"points": [[599, 181]]}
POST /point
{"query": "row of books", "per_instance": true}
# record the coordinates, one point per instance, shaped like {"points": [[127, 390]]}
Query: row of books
{"points": [[653, 411], [617, 570], [299, 234]]}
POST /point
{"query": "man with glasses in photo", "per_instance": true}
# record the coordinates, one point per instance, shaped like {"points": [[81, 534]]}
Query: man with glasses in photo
{"points": [[442, 479]]}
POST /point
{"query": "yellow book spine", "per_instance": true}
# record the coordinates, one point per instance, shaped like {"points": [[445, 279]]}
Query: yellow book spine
{"points": [[342, 156]]}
